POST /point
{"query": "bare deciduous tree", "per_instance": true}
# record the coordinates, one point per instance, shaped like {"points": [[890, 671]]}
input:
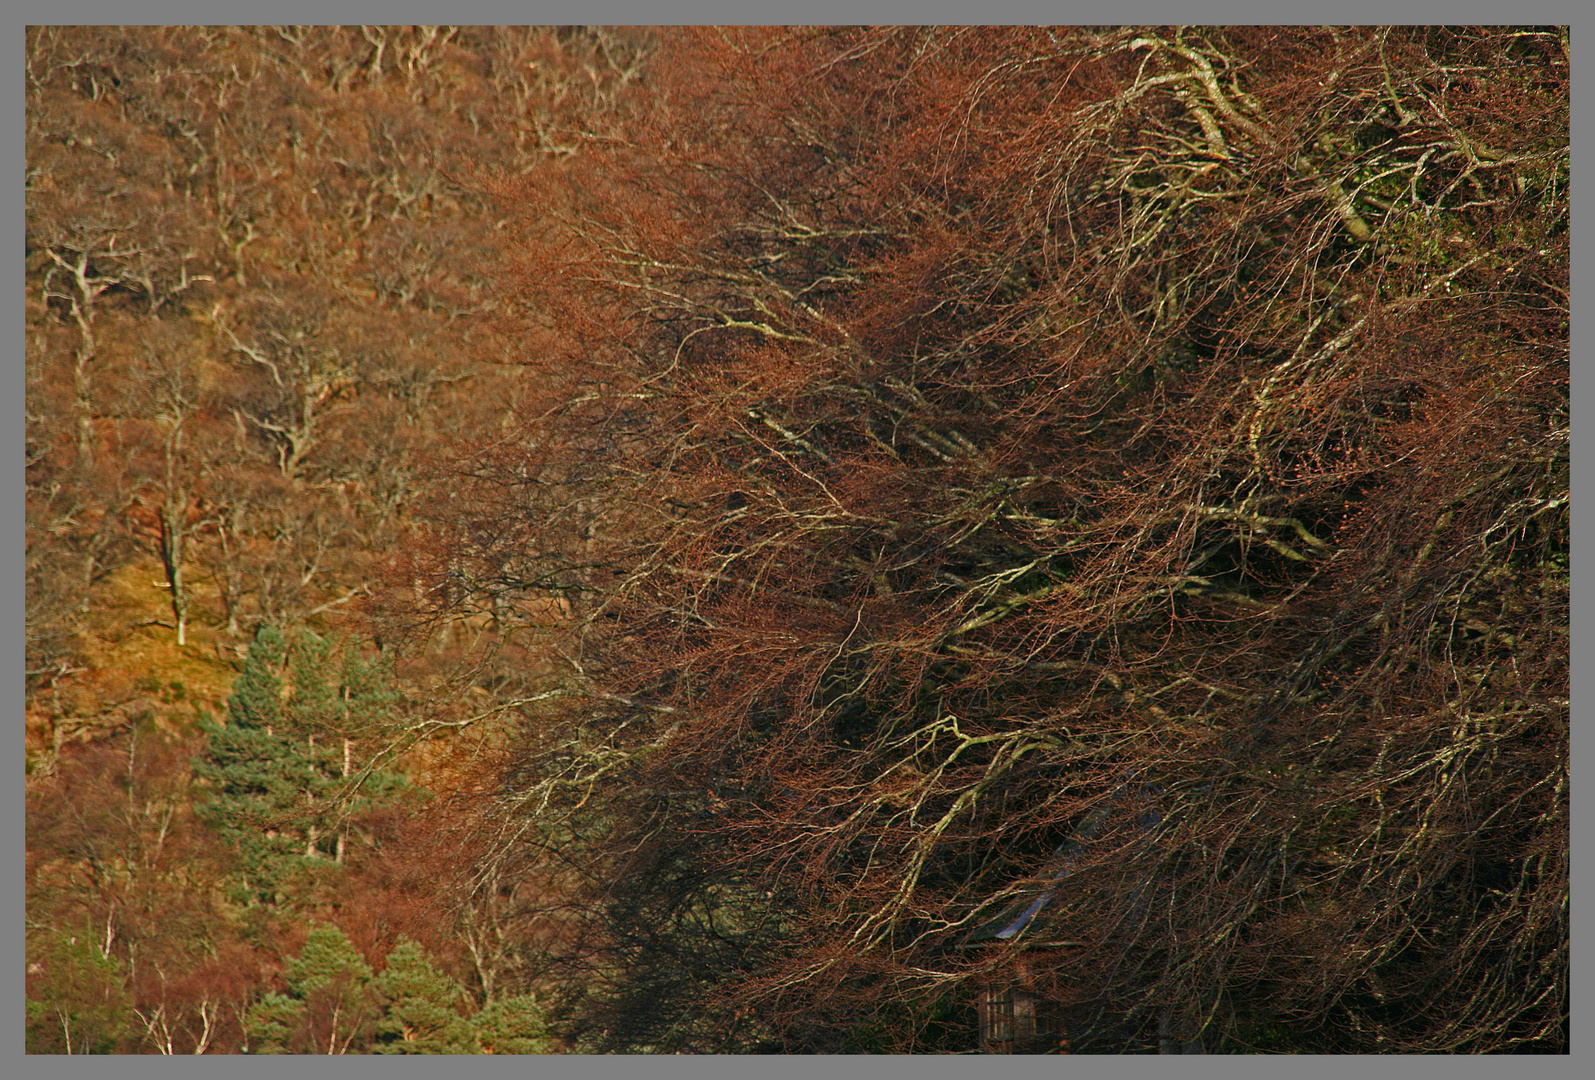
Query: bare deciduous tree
{"points": [[986, 424]]}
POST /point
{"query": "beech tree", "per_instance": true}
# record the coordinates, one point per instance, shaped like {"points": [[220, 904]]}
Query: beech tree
{"points": [[948, 434]]}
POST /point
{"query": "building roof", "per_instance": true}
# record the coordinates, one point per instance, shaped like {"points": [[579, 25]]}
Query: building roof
{"points": [[1026, 913]]}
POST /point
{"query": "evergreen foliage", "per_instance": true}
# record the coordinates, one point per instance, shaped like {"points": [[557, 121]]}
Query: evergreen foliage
{"points": [[256, 700], [270, 1023], [335, 1005], [329, 963], [327, 1006], [256, 777], [420, 1007], [281, 770], [76, 1003], [513, 1025]]}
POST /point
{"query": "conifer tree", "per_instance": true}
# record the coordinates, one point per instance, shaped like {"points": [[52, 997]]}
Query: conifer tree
{"points": [[314, 726], [281, 772], [256, 700], [253, 772], [331, 977], [338, 725], [271, 1022], [420, 1007], [512, 1025], [327, 1006]]}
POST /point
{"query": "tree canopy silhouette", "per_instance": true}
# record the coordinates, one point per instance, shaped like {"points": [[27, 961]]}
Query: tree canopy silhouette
{"points": [[947, 433]]}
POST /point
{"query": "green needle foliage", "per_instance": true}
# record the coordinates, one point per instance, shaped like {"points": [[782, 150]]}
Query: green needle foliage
{"points": [[420, 1007], [282, 775], [327, 1006], [270, 1024], [256, 776], [512, 1025], [77, 1004], [334, 1005]]}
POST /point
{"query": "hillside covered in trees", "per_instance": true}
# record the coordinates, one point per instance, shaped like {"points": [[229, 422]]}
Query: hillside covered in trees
{"points": [[260, 299], [819, 540]]}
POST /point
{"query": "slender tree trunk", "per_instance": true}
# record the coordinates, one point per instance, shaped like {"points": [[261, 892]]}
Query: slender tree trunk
{"points": [[173, 541], [174, 524], [343, 830], [80, 392]]}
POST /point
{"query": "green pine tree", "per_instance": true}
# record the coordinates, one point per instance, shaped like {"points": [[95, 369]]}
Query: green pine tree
{"points": [[339, 723], [327, 1008], [271, 1024], [283, 772], [512, 1025], [256, 778], [420, 1007], [329, 961], [315, 724], [316, 709], [331, 977]]}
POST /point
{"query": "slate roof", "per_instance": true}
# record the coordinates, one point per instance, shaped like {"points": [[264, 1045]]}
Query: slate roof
{"points": [[1026, 913]]}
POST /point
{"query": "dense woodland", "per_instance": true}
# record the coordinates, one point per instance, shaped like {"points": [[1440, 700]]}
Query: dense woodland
{"points": [[759, 540]]}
